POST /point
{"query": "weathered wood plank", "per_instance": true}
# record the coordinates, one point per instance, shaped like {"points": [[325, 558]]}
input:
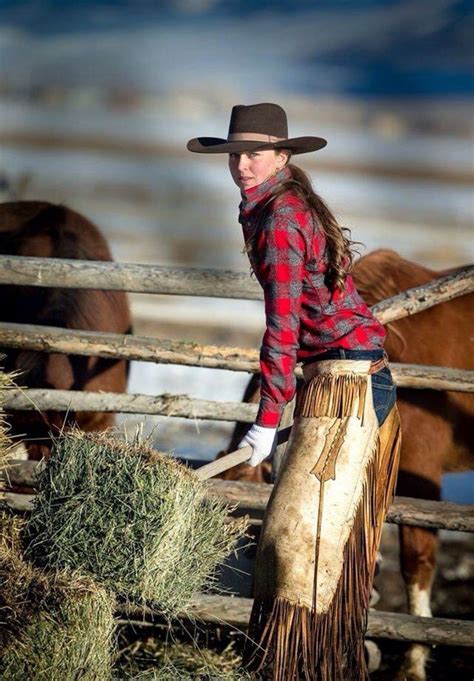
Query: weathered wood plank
{"points": [[20, 472], [422, 376], [430, 630], [431, 514], [164, 351], [423, 297], [395, 626], [203, 282], [17, 502], [247, 496], [163, 405], [135, 278], [253, 498], [250, 497], [118, 346], [23, 472]]}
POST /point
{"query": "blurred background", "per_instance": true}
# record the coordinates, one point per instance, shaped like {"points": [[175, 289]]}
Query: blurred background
{"points": [[98, 98]]}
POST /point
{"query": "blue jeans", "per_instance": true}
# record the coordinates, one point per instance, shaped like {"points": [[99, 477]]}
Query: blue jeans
{"points": [[384, 392]]}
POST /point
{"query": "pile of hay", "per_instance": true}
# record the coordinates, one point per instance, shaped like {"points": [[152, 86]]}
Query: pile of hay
{"points": [[155, 660], [135, 520], [54, 626], [202, 672]]}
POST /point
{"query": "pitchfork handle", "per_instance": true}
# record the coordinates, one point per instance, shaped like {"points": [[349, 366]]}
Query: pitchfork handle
{"points": [[234, 458]]}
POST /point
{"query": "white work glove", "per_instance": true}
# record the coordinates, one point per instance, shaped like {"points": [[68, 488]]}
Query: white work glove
{"points": [[261, 440]]}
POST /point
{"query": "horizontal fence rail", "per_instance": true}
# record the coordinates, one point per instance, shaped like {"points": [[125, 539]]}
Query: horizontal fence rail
{"points": [[164, 351], [134, 278], [252, 499], [87, 274], [421, 298], [179, 406], [386, 625]]}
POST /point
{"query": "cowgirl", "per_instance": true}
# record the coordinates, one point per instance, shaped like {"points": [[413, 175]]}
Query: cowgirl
{"points": [[301, 257]]}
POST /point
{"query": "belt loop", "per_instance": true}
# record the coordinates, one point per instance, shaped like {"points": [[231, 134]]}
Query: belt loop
{"points": [[343, 353], [378, 364]]}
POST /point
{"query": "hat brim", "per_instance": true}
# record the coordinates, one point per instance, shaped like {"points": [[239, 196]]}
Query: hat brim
{"points": [[216, 145]]}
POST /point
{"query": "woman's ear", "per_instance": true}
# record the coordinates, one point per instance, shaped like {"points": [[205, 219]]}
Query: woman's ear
{"points": [[282, 160]]}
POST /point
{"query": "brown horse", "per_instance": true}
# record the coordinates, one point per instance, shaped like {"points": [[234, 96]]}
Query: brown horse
{"points": [[41, 229], [436, 426]]}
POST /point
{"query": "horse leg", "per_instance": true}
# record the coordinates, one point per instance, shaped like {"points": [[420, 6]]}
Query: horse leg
{"points": [[426, 438], [417, 557]]}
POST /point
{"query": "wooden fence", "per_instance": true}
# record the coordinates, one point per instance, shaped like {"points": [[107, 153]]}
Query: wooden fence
{"points": [[250, 499], [186, 281]]}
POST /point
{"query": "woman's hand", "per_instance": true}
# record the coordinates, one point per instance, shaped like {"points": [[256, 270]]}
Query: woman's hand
{"points": [[261, 440]]}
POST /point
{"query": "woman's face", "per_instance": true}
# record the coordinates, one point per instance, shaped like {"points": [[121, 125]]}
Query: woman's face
{"points": [[253, 167]]}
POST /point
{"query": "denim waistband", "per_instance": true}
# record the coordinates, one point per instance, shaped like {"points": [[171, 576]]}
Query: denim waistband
{"points": [[340, 353]]}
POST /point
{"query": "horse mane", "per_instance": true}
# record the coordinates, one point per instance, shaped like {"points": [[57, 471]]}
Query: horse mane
{"points": [[383, 274], [373, 275]]}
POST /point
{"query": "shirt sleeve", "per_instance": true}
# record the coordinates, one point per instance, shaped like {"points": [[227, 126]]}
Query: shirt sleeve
{"points": [[281, 255]]}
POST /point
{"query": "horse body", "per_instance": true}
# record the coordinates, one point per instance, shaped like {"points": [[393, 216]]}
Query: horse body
{"points": [[436, 426], [41, 229]]}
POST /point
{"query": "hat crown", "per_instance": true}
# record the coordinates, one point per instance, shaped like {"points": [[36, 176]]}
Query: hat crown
{"points": [[266, 118]]}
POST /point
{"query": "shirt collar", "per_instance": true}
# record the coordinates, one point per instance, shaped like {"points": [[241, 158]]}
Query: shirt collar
{"points": [[255, 195]]}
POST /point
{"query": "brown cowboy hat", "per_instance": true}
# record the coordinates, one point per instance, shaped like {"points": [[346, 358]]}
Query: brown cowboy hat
{"points": [[258, 126]]}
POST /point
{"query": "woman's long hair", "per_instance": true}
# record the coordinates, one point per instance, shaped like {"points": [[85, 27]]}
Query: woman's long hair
{"points": [[338, 239]]}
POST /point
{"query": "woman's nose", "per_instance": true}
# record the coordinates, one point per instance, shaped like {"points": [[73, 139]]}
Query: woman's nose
{"points": [[243, 162]]}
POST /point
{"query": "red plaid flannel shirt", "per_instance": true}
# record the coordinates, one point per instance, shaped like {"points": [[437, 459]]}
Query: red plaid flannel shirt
{"points": [[302, 318]]}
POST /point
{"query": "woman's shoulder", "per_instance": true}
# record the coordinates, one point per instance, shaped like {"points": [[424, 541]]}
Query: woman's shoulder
{"points": [[291, 201], [290, 213]]}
